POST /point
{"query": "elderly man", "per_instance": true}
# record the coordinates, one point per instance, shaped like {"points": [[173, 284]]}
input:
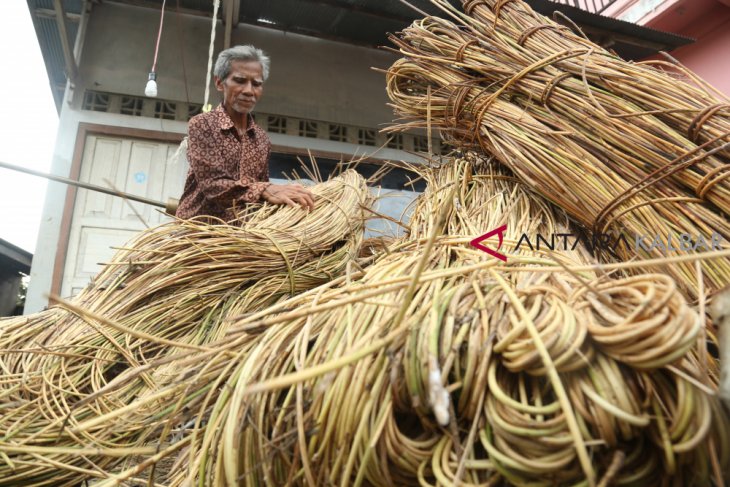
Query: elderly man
{"points": [[228, 153]]}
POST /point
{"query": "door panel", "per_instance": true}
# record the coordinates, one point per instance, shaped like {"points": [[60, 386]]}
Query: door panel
{"points": [[101, 221], [100, 204]]}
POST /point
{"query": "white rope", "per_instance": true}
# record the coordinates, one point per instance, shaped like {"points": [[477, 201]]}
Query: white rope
{"points": [[206, 106], [181, 149]]}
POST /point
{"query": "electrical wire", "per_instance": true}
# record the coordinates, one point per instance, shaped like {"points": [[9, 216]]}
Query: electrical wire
{"points": [[159, 36]]}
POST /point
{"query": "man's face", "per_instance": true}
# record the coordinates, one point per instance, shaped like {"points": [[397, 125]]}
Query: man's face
{"points": [[243, 86]]}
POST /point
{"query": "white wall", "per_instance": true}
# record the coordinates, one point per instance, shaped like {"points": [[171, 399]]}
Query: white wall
{"points": [[311, 78]]}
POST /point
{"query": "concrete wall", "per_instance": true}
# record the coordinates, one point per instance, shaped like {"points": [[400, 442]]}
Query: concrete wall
{"points": [[311, 78]]}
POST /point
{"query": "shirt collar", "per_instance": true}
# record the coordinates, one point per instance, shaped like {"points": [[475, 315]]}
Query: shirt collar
{"points": [[225, 122]]}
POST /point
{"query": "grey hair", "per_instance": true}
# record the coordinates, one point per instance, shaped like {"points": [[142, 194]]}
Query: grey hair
{"points": [[240, 53]]}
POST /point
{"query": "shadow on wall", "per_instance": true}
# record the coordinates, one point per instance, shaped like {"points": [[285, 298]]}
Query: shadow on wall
{"points": [[14, 269], [13, 287]]}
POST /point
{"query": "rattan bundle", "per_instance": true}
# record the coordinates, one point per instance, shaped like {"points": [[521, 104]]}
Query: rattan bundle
{"points": [[660, 89], [167, 292], [565, 137], [436, 364]]}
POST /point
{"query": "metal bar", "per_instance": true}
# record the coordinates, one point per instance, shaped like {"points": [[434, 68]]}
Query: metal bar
{"points": [[68, 56], [720, 312], [81, 184], [47, 13], [593, 6]]}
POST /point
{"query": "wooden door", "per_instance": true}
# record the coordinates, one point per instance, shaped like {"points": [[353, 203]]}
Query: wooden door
{"points": [[99, 222]]}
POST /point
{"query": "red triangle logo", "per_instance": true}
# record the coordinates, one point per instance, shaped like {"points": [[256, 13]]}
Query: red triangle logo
{"points": [[477, 242]]}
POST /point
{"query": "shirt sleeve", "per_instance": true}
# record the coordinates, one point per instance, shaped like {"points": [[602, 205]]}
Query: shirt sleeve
{"points": [[217, 183]]}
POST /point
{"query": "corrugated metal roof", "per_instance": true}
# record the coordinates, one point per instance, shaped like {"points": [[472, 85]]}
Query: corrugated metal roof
{"points": [[632, 41], [200, 5], [50, 41], [368, 21], [290, 14], [71, 6], [364, 22]]}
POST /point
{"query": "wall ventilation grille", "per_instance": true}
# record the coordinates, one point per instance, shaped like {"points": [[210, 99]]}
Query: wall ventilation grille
{"points": [[139, 106]]}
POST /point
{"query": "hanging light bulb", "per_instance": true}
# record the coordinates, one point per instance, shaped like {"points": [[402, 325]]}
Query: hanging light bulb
{"points": [[151, 88]]}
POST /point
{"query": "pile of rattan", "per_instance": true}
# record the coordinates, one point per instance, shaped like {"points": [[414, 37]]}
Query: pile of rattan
{"points": [[269, 355], [433, 363]]}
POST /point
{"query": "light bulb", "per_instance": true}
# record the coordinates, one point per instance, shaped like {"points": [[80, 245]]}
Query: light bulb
{"points": [[151, 88]]}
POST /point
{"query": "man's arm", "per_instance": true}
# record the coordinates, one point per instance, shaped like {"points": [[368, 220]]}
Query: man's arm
{"points": [[216, 182], [285, 194]]}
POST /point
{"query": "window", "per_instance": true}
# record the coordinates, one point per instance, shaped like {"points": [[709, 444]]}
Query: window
{"points": [[338, 132], [165, 110], [95, 101], [131, 105], [420, 143], [307, 128], [366, 136], [194, 109], [396, 141], [276, 124]]}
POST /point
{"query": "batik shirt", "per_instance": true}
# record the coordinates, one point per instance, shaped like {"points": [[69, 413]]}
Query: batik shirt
{"points": [[226, 170]]}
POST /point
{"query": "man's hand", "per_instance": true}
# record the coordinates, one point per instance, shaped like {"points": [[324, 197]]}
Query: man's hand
{"points": [[289, 194]]}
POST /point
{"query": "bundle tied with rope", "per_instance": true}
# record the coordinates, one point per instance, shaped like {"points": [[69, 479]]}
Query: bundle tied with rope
{"points": [[664, 89], [168, 292], [568, 119]]}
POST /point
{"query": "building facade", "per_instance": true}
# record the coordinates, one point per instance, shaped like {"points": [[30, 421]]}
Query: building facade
{"points": [[322, 98]]}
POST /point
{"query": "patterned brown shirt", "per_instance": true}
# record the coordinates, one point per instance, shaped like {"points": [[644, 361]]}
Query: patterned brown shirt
{"points": [[225, 170]]}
